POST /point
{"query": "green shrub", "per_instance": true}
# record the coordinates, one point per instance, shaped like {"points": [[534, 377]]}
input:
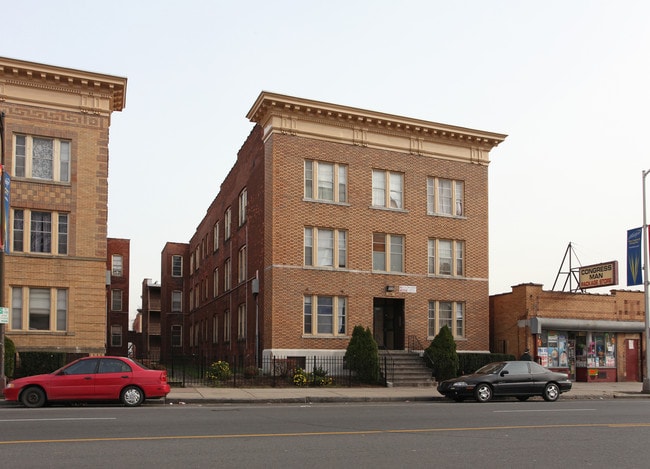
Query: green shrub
{"points": [[219, 371], [442, 353], [362, 355], [470, 362], [35, 363], [10, 357], [299, 377]]}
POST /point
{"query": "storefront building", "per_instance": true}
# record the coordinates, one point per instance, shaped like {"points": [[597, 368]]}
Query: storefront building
{"points": [[592, 337]]}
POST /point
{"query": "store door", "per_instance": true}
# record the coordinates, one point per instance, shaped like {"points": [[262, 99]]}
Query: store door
{"points": [[632, 360], [388, 323]]}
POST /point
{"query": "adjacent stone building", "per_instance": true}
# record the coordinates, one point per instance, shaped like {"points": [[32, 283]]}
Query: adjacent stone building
{"points": [[56, 151], [333, 217]]}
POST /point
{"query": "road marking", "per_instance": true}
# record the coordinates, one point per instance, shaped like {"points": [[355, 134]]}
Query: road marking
{"points": [[541, 410], [57, 420], [333, 433]]}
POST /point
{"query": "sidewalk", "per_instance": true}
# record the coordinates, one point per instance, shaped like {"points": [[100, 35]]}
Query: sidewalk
{"points": [[216, 395]]}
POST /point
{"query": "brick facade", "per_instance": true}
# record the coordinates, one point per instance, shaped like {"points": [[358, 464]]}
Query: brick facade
{"points": [[271, 168], [117, 315], [54, 103], [525, 317]]}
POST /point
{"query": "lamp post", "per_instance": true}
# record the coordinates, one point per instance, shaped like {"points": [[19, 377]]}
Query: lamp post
{"points": [[646, 283]]}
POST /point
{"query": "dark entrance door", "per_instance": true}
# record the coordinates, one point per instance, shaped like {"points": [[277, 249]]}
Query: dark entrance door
{"points": [[388, 323]]}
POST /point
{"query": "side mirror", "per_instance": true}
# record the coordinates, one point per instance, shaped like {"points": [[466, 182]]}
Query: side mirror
{"points": [[505, 372]]}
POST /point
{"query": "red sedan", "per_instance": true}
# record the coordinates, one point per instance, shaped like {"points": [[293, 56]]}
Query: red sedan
{"points": [[91, 379]]}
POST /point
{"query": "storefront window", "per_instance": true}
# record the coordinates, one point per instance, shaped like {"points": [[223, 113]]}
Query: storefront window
{"points": [[602, 350], [552, 349]]}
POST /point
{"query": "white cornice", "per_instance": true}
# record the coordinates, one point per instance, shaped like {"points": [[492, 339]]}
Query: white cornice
{"points": [[319, 120]]}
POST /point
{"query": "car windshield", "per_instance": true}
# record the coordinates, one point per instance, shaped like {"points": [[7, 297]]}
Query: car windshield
{"points": [[490, 368]]}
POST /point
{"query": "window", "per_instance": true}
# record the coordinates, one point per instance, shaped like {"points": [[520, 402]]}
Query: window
{"points": [[215, 236], [63, 234], [40, 309], [61, 309], [242, 261], [41, 232], [116, 265], [447, 313], [326, 181], [324, 315], [215, 282], [177, 335], [17, 308], [116, 300], [243, 203], [177, 266], [19, 230], [446, 257], [226, 326], [42, 158], [215, 329], [177, 301], [330, 247], [241, 322], [226, 224], [226, 275], [387, 252], [116, 336], [113, 365], [387, 189], [445, 197]]}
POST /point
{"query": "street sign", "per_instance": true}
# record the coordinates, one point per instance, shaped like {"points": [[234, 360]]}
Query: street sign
{"points": [[4, 315]]}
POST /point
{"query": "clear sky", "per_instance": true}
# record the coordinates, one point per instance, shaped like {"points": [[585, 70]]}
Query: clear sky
{"points": [[567, 80]]}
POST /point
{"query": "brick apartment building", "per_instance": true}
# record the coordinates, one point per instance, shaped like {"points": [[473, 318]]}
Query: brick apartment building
{"points": [[591, 337], [117, 296], [334, 217], [171, 298], [56, 152]]}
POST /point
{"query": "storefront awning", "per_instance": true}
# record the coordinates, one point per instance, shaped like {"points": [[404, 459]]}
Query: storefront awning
{"points": [[537, 324]]}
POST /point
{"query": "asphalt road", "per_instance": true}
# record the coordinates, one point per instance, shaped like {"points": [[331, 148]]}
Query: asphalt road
{"points": [[588, 433]]}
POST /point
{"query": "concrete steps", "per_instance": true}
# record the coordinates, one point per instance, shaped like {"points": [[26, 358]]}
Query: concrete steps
{"points": [[409, 369]]}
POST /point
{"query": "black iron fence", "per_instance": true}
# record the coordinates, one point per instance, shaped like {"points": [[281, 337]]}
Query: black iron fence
{"points": [[188, 371]]}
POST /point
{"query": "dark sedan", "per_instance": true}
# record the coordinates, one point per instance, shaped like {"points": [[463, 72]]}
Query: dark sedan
{"points": [[91, 379], [520, 379]]}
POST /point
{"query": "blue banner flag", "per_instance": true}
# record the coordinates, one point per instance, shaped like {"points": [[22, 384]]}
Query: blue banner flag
{"points": [[634, 264]]}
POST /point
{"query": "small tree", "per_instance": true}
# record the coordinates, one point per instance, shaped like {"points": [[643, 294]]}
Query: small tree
{"points": [[442, 353], [362, 355]]}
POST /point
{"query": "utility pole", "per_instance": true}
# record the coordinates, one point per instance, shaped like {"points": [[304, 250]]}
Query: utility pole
{"points": [[3, 235], [646, 284]]}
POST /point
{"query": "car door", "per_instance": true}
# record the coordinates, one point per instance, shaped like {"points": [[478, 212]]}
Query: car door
{"points": [[514, 379], [112, 376], [74, 382]]}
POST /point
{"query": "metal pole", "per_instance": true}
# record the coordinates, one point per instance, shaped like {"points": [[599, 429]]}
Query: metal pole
{"points": [[3, 378], [646, 283]]}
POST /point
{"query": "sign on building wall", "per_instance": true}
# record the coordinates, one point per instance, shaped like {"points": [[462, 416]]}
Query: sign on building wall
{"points": [[599, 275]]}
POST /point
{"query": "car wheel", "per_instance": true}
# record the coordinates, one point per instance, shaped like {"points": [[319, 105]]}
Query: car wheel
{"points": [[132, 396], [523, 398], [551, 392], [33, 397], [483, 392]]}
